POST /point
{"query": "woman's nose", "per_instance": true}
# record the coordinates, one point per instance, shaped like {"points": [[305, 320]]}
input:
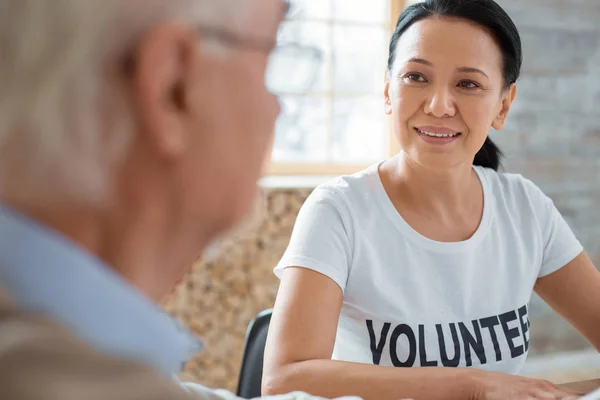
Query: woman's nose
{"points": [[440, 103]]}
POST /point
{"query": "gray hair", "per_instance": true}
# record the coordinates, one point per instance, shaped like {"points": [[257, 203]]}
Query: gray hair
{"points": [[64, 122]]}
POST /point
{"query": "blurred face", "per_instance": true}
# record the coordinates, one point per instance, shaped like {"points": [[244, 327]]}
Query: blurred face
{"points": [[234, 118], [445, 90], [205, 109]]}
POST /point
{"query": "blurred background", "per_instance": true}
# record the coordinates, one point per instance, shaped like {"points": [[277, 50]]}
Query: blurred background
{"points": [[338, 127]]}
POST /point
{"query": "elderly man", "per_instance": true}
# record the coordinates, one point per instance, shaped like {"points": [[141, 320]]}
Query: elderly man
{"points": [[132, 133]]}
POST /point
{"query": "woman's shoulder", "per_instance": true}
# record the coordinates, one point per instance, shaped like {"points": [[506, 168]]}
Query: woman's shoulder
{"points": [[348, 189], [512, 187]]}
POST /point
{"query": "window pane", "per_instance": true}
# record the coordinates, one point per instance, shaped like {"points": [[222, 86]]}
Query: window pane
{"points": [[365, 11], [360, 130], [301, 132], [312, 34], [310, 9], [359, 58]]}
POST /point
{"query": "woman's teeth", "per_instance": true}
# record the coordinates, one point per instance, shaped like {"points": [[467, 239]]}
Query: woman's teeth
{"points": [[442, 135]]}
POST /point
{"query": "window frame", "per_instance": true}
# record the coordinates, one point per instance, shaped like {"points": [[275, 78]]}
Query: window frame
{"points": [[299, 168]]}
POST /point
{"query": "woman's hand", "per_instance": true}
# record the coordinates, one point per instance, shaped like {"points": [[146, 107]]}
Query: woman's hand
{"points": [[497, 386]]}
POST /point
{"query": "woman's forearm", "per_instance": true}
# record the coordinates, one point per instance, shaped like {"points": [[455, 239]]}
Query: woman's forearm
{"points": [[328, 378]]}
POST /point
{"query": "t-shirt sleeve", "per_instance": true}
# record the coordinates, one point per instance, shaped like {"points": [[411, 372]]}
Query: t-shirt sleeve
{"points": [[560, 246], [321, 238]]}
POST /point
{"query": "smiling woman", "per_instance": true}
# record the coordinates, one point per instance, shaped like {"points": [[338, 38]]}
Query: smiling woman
{"points": [[430, 258]]}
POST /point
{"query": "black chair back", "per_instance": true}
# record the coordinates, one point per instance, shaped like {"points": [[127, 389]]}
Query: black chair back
{"points": [[249, 383]]}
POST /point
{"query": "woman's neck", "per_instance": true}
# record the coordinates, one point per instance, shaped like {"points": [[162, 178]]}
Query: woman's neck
{"points": [[444, 192]]}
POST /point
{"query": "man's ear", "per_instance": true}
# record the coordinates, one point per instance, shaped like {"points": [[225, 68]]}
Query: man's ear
{"points": [[387, 98], [164, 62], [507, 99]]}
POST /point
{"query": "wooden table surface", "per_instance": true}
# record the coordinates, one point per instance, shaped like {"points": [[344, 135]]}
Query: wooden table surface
{"points": [[583, 386]]}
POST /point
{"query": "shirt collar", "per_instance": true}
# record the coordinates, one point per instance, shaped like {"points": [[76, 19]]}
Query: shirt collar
{"points": [[45, 272]]}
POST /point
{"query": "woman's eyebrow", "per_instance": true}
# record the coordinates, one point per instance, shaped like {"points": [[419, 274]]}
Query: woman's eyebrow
{"points": [[472, 70], [420, 61]]}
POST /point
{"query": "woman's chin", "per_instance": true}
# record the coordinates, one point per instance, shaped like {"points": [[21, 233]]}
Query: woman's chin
{"points": [[442, 162]]}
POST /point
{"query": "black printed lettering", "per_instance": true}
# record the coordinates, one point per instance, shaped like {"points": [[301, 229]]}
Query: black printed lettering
{"points": [[511, 333], [403, 329], [472, 342], [524, 325], [490, 324], [422, 350], [446, 362], [466, 339], [377, 346]]}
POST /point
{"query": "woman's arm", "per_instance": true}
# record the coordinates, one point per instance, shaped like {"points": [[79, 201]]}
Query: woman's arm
{"points": [[574, 292], [300, 343]]}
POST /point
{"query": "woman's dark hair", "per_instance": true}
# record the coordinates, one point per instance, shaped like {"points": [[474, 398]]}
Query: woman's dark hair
{"points": [[489, 15]]}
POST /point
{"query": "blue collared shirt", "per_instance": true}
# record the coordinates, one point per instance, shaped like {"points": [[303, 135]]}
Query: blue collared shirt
{"points": [[45, 272]]}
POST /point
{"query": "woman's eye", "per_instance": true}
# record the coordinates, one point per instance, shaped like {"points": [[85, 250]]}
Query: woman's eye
{"points": [[468, 85], [412, 77]]}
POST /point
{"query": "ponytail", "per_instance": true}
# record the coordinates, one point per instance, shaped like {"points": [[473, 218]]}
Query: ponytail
{"points": [[489, 156]]}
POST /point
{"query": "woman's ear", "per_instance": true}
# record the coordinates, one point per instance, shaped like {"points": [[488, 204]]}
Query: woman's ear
{"points": [[387, 98], [507, 99]]}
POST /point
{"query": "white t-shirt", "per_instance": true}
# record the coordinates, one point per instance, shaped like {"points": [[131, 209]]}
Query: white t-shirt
{"points": [[410, 301]]}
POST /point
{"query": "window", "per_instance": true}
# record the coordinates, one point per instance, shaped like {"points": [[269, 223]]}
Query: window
{"points": [[338, 126]]}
